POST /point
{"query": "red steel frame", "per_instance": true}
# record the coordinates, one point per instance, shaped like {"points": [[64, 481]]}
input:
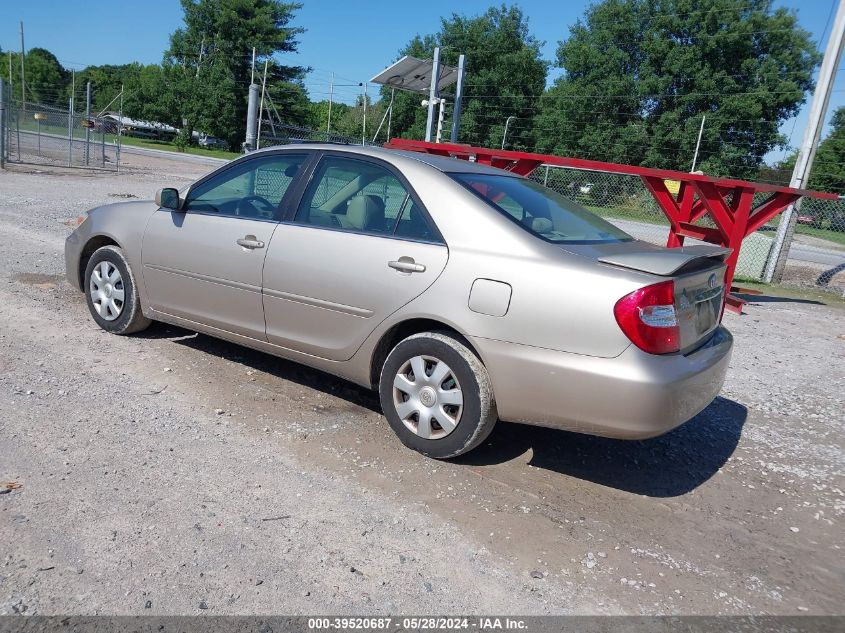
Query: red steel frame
{"points": [[697, 196]]}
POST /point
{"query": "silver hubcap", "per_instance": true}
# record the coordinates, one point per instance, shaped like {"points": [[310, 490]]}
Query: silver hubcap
{"points": [[107, 291], [428, 397]]}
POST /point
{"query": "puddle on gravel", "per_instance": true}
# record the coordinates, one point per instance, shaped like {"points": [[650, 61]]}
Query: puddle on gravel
{"points": [[39, 280]]}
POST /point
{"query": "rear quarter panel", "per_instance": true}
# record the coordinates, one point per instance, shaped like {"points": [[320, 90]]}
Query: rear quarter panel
{"points": [[557, 302], [560, 300]]}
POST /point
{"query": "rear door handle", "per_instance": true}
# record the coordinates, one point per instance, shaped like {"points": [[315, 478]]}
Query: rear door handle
{"points": [[249, 241], [407, 265]]}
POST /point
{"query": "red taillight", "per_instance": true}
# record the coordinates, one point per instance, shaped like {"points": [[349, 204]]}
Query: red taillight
{"points": [[647, 317]]}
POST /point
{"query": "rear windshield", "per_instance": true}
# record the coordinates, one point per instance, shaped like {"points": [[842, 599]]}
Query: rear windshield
{"points": [[541, 211]]}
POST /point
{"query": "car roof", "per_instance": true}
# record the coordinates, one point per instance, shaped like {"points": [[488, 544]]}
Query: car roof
{"points": [[445, 164]]}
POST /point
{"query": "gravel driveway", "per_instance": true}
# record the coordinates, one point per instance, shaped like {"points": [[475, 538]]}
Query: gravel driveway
{"points": [[171, 473]]}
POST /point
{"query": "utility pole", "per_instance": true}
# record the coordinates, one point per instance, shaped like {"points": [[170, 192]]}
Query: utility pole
{"points": [[251, 119], [698, 143], [23, 75], [807, 152], [251, 111], [331, 95], [433, 94]]}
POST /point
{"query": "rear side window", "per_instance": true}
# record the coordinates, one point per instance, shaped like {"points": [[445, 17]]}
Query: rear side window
{"points": [[541, 211], [362, 197]]}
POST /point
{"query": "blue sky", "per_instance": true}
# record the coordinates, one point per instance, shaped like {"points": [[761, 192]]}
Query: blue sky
{"points": [[353, 39]]}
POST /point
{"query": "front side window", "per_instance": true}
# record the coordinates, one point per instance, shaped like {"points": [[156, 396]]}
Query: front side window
{"points": [[251, 189], [363, 197], [541, 211]]}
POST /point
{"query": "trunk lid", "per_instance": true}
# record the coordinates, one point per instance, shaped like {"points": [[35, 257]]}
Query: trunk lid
{"points": [[667, 261], [698, 273]]}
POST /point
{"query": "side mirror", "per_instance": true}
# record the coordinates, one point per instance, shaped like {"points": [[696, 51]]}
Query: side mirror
{"points": [[168, 198]]}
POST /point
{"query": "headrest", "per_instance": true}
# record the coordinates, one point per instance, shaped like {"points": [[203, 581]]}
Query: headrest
{"points": [[365, 212], [541, 225]]}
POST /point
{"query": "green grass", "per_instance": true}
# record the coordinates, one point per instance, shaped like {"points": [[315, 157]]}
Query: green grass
{"points": [[831, 297], [170, 147], [643, 215], [825, 234], [637, 215]]}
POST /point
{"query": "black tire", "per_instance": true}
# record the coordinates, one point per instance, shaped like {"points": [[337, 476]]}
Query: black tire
{"points": [[129, 318], [478, 414]]}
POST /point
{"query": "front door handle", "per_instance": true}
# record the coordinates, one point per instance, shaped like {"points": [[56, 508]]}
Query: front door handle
{"points": [[250, 242], [407, 265]]}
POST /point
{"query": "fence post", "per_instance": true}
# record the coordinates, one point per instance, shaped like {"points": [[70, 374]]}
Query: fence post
{"points": [[17, 128], [119, 130], [87, 122], [2, 124], [70, 132]]}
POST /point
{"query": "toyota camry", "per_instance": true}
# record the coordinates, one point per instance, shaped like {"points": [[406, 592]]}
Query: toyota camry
{"points": [[462, 293]]}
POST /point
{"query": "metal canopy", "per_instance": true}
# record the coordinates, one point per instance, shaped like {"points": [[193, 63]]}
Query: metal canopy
{"points": [[413, 74]]}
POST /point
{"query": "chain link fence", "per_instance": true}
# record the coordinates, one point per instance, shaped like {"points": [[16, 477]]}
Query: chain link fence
{"points": [[46, 135], [816, 252], [283, 134]]}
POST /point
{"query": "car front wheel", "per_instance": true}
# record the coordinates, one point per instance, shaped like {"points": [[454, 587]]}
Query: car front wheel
{"points": [[111, 292], [436, 395]]}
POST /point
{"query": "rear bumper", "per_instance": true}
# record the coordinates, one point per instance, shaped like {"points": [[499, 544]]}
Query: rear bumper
{"points": [[633, 396]]}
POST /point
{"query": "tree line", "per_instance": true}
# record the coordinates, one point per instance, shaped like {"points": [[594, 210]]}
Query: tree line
{"points": [[633, 80]]}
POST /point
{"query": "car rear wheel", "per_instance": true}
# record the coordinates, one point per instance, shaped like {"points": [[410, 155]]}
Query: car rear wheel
{"points": [[111, 293], [436, 395]]}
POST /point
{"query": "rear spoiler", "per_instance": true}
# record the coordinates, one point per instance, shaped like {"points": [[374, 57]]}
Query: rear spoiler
{"points": [[668, 261]]}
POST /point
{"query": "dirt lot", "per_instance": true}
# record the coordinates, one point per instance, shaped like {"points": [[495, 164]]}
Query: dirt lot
{"points": [[137, 497]]}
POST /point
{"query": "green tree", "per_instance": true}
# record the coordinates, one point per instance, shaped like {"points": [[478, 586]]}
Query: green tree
{"points": [[106, 82], [208, 65], [12, 80], [639, 75], [828, 171], [826, 174], [504, 77], [47, 81], [286, 100], [348, 121]]}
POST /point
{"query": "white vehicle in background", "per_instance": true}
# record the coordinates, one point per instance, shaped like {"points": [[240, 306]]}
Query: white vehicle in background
{"points": [[211, 142]]}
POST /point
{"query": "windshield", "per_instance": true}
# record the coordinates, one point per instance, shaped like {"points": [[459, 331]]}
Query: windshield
{"points": [[541, 211]]}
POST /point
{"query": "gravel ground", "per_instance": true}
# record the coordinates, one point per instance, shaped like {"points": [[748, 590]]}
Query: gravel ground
{"points": [[137, 495]]}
